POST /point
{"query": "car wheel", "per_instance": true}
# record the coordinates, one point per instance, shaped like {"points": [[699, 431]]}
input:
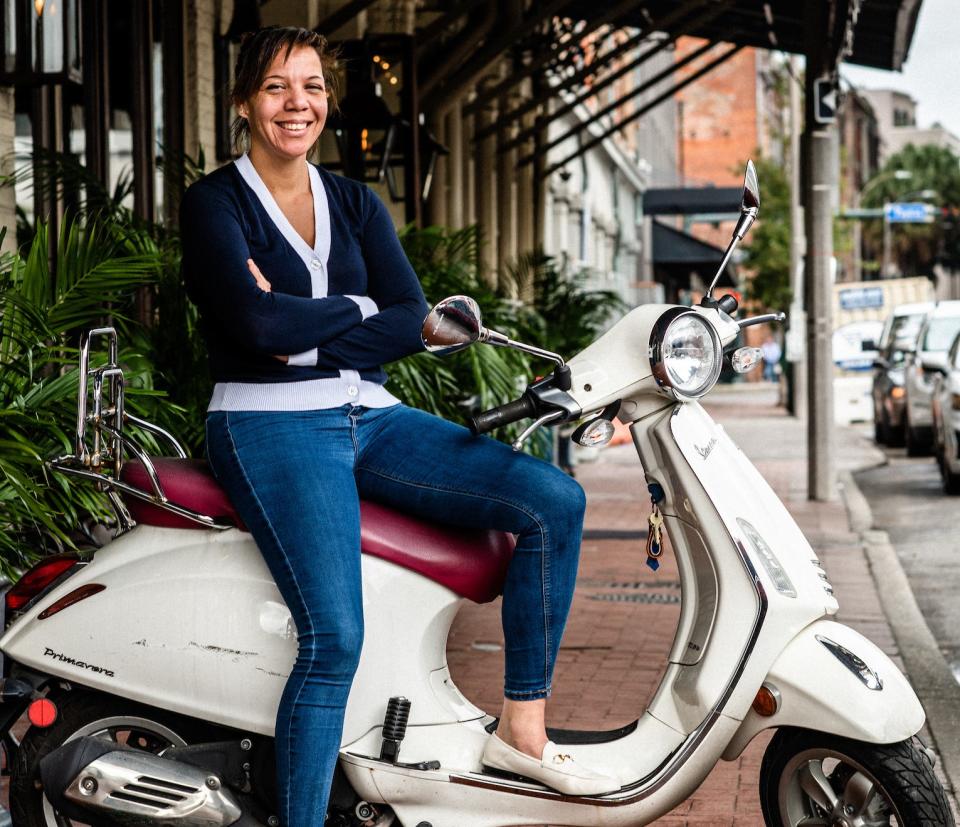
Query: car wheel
{"points": [[917, 446], [895, 433], [879, 432]]}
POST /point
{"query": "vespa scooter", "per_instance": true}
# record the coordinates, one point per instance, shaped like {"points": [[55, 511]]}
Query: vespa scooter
{"points": [[151, 669]]}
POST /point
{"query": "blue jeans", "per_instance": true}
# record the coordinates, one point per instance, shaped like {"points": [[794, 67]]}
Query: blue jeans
{"points": [[296, 479]]}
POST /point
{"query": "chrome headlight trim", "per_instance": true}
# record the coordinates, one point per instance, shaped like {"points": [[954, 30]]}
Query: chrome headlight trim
{"points": [[658, 336]]}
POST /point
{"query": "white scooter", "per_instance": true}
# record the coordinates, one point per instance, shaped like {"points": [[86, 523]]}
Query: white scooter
{"points": [[151, 670]]}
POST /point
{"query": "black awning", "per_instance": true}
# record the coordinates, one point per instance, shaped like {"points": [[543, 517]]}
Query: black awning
{"points": [[692, 200], [881, 37], [675, 247]]}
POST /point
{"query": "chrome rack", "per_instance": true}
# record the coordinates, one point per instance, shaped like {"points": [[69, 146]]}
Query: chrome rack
{"points": [[100, 440]]}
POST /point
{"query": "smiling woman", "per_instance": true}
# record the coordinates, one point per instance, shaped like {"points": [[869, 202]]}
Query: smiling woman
{"points": [[304, 293]]}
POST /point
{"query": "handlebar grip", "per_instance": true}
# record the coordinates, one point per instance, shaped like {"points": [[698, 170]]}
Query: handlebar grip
{"points": [[502, 415]]}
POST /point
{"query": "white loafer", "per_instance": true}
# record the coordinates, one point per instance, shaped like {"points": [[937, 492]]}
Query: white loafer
{"points": [[554, 769]]}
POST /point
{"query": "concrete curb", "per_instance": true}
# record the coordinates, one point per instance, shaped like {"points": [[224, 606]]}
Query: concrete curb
{"points": [[929, 673]]}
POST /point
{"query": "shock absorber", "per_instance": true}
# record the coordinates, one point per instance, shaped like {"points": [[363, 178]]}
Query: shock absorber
{"points": [[394, 728]]}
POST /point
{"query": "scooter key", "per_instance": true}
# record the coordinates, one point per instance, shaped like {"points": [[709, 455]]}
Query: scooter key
{"points": [[654, 538]]}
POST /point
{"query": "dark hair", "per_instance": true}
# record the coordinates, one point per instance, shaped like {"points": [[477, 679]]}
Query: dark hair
{"points": [[258, 50]]}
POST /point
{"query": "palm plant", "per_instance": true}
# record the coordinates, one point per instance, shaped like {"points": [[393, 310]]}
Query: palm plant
{"points": [[170, 347], [446, 263], [45, 301], [563, 314]]}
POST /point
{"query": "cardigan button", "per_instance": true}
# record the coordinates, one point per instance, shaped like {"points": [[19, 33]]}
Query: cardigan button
{"points": [[353, 390]]}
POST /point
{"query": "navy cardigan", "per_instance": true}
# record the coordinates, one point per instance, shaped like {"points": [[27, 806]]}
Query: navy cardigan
{"points": [[223, 223]]}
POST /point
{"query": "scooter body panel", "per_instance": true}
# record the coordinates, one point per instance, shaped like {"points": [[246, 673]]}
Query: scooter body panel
{"points": [[192, 621], [472, 800], [811, 674]]}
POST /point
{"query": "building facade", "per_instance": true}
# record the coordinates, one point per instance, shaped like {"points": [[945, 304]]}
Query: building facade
{"points": [[896, 114], [153, 103]]}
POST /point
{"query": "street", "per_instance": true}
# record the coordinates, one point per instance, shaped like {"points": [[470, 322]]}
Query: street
{"points": [[907, 501]]}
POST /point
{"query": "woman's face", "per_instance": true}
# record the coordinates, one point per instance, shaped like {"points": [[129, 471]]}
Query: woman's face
{"points": [[287, 113]]}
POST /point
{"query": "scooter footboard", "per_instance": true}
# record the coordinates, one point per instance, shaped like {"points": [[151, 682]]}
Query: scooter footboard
{"points": [[830, 678]]}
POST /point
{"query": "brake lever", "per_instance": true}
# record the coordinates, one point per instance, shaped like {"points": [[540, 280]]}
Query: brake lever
{"points": [[543, 420], [766, 317]]}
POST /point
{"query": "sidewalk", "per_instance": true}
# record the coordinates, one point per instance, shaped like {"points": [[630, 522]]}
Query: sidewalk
{"points": [[624, 616]]}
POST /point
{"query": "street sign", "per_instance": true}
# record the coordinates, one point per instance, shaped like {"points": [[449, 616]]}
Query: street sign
{"points": [[908, 213], [825, 100], [861, 298]]}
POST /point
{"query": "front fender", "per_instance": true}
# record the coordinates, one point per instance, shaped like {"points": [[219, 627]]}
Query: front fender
{"points": [[819, 691]]}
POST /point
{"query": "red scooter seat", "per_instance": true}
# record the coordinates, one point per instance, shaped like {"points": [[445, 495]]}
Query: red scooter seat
{"points": [[470, 562]]}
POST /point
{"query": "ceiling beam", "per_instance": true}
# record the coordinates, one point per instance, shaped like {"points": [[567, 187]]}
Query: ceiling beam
{"points": [[595, 116], [674, 25], [531, 68], [639, 113], [433, 30], [444, 96], [342, 16]]}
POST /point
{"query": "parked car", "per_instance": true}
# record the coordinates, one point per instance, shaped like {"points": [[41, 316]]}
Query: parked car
{"points": [[945, 408], [928, 360], [854, 353], [898, 338]]}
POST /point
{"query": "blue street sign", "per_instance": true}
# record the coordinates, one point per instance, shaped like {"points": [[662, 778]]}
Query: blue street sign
{"points": [[908, 213], [860, 298]]}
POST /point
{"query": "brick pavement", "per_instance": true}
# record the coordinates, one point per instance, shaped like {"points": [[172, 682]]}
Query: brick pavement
{"points": [[624, 616]]}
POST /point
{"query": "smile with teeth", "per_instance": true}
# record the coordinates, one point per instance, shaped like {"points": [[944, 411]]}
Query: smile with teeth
{"points": [[293, 126]]}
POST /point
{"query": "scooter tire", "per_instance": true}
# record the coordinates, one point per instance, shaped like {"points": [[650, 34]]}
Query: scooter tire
{"points": [[893, 779], [79, 712]]}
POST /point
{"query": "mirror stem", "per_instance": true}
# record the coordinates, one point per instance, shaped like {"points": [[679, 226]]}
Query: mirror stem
{"points": [[743, 226], [491, 337], [726, 257]]}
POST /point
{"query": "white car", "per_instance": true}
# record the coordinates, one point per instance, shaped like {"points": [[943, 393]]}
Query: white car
{"points": [[854, 354], [928, 361], [946, 420]]}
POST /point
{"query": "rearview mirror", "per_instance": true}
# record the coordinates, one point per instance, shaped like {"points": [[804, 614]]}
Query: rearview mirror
{"points": [[751, 190], [452, 325]]}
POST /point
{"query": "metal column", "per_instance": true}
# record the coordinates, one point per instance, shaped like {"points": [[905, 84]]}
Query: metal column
{"points": [[796, 350], [486, 191], [819, 184]]}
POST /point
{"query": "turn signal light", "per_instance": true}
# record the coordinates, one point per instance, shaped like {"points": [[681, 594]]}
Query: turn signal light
{"points": [[897, 392], [68, 600], [38, 579], [767, 701]]}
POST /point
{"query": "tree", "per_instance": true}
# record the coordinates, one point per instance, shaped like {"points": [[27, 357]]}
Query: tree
{"points": [[934, 173], [767, 248]]}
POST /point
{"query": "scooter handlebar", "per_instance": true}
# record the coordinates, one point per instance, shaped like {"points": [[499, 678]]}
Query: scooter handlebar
{"points": [[521, 408]]}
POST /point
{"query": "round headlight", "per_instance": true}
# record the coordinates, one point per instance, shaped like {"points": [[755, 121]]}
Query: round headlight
{"points": [[685, 353]]}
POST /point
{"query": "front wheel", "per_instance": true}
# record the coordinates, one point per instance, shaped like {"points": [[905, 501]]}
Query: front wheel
{"points": [[814, 778]]}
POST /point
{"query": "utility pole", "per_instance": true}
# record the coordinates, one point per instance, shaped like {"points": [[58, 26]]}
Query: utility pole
{"points": [[796, 352], [818, 186]]}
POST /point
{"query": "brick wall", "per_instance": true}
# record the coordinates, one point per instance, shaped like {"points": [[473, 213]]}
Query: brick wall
{"points": [[719, 124]]}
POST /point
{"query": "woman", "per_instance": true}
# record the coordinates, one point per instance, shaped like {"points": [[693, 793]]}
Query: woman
{"points": [[304, 292]]}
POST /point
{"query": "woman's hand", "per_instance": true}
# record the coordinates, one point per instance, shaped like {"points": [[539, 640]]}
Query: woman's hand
{"points": [[258, 277], [264, 285]]}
